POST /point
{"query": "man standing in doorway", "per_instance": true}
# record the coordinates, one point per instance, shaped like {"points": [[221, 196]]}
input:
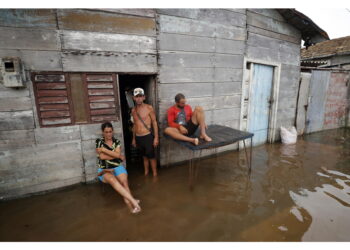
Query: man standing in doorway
{"points": [[183, 122], [144, 120]]}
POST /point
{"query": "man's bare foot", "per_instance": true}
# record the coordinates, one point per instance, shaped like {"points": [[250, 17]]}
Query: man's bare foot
{"points": [[195, 141], [206, 138], [155, 179]]}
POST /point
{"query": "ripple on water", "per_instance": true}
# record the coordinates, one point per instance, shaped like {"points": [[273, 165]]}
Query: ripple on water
{"points": [[328, 206]]}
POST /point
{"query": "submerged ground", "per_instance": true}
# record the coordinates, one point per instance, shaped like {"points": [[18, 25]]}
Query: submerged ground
{"points": [[295, 193]]}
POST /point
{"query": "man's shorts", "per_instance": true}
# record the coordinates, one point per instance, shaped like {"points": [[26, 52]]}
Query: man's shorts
{"points": [[145, 144], [117, 171], [191, 127]]}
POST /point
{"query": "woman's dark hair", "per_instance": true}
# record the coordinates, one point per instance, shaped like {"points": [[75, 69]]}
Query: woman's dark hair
{"points": [[106, 125], [178, 97]]}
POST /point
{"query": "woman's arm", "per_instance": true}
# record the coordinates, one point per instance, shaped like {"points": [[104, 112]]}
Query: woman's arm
{"points": [[104, 156], [114, 154]]}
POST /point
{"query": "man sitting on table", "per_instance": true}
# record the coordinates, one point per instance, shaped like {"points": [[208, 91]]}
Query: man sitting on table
{"points": [[183, 123]]}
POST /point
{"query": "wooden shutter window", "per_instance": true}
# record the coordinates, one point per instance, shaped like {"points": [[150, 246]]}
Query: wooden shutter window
{"points": [[102, 95], [52, 95], [75, 98]]}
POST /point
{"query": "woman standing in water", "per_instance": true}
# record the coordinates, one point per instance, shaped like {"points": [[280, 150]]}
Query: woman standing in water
{"points": [[110, 169]]}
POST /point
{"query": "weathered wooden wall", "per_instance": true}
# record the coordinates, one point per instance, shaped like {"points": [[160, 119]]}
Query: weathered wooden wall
{"points": [[34, 159], [199, 52], [201, 55], [303, 101], [272, 39]]}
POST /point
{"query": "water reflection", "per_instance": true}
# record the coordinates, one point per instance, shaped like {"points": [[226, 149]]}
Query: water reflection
{"points": [[329, 206], [295, 192]]}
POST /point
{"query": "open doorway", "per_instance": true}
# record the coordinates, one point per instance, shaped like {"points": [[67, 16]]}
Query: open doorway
{"points": [[127, 83]]}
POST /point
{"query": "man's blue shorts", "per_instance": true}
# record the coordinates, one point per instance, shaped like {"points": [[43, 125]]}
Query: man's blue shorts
{"points": [[117, 171]]}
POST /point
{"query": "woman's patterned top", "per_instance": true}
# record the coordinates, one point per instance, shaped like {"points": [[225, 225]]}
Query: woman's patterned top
{"points": [[104, 164]]}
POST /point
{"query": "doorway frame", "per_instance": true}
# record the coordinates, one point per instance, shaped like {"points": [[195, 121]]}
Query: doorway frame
{"points": [[275, 93], [153, 79]]}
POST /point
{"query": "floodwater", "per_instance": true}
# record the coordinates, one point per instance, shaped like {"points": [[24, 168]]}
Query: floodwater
{"points": [[295, 193]]}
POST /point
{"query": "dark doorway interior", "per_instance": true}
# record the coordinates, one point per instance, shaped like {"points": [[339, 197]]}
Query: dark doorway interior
{"points": [[127, 83]]}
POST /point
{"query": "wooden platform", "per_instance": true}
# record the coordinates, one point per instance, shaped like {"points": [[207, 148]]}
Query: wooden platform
{"points": [[221, 136]]}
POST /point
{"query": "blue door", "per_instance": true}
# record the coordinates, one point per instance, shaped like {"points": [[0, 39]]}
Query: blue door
{"points": [[259, 102]]}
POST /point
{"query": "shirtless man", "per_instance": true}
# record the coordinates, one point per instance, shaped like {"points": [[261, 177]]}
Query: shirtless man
{"points": [[183, 122], [142, 136]]}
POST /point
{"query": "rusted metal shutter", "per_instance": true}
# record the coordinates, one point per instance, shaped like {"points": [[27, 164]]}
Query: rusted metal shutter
{"points": [[52, 99], [103, 97]]}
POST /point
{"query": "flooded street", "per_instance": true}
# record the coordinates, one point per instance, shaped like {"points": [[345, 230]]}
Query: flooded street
{"points": [[295, 193]]}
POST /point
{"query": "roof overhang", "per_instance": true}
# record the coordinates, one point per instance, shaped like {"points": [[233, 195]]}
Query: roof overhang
{"points": [[311, 33]]}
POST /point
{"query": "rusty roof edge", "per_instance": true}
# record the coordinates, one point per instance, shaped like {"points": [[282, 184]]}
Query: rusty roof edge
{"points": [[303, 17]]}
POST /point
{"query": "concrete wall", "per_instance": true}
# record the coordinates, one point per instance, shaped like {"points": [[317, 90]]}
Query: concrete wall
{"points": [[34, 159], [200, 53], [323, 100], [337, 101]]}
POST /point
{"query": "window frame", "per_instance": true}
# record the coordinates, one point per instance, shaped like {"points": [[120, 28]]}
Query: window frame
{"points": [[87, 102]]}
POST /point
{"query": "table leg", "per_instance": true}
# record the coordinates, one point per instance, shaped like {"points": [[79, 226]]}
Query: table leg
{"points": [[191, 171], [196, 165], [167, 155], [251, 153], [246, 154]]}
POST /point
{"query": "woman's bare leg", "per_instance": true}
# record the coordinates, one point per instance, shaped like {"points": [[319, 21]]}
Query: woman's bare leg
{"points": [[112, 180], [123, 179]]}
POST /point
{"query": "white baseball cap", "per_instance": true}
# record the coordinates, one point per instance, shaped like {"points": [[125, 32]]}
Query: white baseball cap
{"points": [[138, 91]]}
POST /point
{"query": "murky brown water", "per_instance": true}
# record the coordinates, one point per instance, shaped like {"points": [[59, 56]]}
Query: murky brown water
{"points": [[296, 193]]}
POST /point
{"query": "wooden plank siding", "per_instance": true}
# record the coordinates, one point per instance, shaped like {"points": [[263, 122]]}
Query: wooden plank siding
{"points": [[95, 21], [201, 53], [134, 12], [200, 60], [29, 39], [16, 120], [268, 23], [66, 165], [185, 26], [28, 18], [271, 34], [97, 41], [109, 62], [11, 139], [15, 104], [36, 60], [220, 16]]}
